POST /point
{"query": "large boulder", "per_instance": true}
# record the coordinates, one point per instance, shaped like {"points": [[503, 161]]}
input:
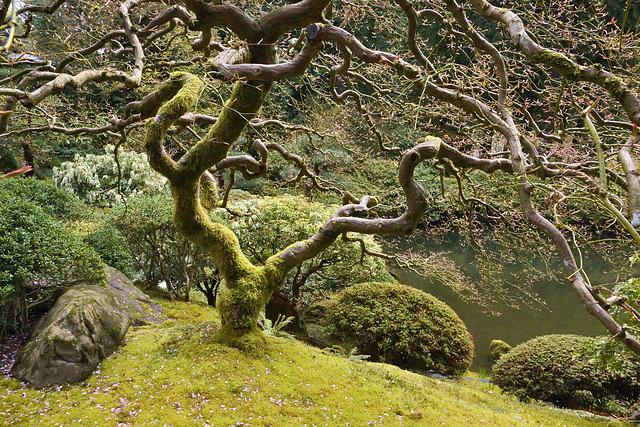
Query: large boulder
{"points": [[138, 306], [84, 326]]}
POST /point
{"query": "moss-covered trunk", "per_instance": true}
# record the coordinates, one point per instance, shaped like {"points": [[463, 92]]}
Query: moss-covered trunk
{"points": [[249, 286]]}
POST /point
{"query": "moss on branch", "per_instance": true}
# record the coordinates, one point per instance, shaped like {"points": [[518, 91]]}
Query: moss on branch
{"points": [[559, 62], [182, 102]]}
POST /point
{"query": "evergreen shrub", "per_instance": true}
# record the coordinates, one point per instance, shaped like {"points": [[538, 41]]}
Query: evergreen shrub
{"points": [[113, 248], [567, 371], [59, 204], [403, 326], [38, 253]]}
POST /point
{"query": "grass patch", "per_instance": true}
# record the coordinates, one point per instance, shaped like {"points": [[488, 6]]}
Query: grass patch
{"points": [[174, 375]]}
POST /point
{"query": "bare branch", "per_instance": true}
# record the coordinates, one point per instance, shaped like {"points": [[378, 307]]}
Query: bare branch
{"points": [[633, 178]]}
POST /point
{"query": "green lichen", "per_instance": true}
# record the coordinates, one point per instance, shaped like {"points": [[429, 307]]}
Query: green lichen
{"points": [[249, 287], [245, 102], [559, 62], [616, 87], [498, 348], [252, 341], [411, 72], [156, 127], [209, 195], [185, 99], [240, 307]]}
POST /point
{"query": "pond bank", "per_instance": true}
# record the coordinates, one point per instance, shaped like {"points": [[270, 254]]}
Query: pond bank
{"points": [[561, 313]]}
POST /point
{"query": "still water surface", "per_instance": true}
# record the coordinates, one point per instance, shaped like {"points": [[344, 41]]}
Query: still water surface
{"points": [[563, 314]]}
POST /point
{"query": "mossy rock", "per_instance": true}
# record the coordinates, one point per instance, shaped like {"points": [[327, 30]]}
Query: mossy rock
{"points": [[498, 349], [83, 327], [135, 303]]}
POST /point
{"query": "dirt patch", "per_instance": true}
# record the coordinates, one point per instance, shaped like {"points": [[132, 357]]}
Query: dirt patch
{"points": [[10, 345]]}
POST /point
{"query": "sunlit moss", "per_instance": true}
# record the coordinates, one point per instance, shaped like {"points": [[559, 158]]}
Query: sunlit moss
{"points": [[559, 61], [175, 375]]}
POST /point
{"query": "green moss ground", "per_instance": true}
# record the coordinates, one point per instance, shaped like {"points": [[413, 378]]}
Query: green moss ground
{"points": [[174, 375]]}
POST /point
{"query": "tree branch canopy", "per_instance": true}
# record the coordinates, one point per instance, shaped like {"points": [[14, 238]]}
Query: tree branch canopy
{"points": [[321, 98]]}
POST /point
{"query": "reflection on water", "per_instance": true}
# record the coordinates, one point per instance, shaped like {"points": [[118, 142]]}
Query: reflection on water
{"points": [[564, 312]]}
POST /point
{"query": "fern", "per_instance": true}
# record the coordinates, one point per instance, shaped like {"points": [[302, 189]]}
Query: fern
{"points": [[275, 329]]}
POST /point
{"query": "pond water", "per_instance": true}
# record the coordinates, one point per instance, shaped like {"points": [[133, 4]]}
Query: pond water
{"points": [[563, 314]]}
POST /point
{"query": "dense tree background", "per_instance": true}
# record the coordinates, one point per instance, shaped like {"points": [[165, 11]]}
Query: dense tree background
{"points": [[513, 120]]}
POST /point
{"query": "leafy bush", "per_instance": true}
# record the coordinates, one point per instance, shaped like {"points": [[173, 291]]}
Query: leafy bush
{"points": [[158, 251], [8, 161], [401, 325], [112, 247], [276, 222], [38, 255], [94, 178], [54, 202], [565, 370]]}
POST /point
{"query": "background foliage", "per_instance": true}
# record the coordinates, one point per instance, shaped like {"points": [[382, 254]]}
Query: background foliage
{"points": [[107, 179], [39, 251]]}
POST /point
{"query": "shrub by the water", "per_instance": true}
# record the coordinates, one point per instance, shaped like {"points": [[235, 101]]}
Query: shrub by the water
{"points": [[566, 370], [403, 326]]}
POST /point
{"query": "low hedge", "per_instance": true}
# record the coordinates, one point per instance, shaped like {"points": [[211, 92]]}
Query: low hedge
{"points": [[402, 326], [565, 370]]}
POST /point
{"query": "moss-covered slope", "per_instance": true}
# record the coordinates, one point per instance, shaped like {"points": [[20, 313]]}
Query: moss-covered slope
{"points": [[174, 375]]}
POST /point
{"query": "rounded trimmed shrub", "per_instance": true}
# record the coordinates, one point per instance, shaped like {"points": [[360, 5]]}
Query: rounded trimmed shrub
{"points": [[403, 326], [565, 370]]}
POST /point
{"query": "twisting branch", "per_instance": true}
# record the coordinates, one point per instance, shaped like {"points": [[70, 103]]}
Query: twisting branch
{"points": [[633, 178], [8, 25], [412, 17], [304, 172], [186, 88], [484, 45], [352, 217], [616, 87], [247, 165], [269, 72], [48, 9]]}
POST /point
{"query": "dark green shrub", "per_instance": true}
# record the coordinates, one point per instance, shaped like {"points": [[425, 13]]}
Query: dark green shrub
{"points": [[111, 245], [8, 161], [565, 370], [38, 255], [59, 204], [401, 325]]}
